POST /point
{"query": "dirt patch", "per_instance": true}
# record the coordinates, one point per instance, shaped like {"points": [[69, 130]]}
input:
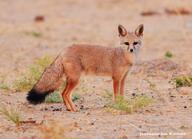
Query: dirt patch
{"points": [[178, 11], [149, 13], [162, 68]]}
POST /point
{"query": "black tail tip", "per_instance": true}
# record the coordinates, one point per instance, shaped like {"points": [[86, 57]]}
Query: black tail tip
{"points": [[36, 97]]}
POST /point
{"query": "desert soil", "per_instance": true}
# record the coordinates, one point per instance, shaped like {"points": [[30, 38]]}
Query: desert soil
{"points": [[95, 22]]}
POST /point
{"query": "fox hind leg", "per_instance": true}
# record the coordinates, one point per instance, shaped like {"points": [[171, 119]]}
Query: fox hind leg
{"points": [[71, 85], [73, 72], [65, 101]]}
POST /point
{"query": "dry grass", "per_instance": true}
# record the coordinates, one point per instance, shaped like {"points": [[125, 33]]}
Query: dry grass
{"points": [[11, 115], [52, 130], [28, 79], [3, 86], [182, 81], [130, 105]]}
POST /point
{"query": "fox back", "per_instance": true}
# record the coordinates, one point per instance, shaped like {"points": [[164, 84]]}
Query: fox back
{"points": [[100, 60], [94, 60]]}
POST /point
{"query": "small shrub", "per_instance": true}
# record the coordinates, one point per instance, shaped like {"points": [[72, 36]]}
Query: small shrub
{"points": [[130, 105], [121, 104], [11, 115], [28, 79], [182, 81], [54, 98], [168, 54], [4, 86], [141, 101], [75, 97], [38, 67], [34, 34], [108, 95], [23, 84]]}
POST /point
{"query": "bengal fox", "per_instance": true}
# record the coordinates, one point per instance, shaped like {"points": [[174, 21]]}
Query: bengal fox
{"points": [[89, 59]]}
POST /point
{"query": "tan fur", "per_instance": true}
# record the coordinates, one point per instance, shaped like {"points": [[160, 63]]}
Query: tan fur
{"points": [[86, 59], [97, 60], [51, 77]]}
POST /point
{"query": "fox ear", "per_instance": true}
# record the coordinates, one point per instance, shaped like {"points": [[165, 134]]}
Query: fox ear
{"points": [[122, 31], [139, 30]]}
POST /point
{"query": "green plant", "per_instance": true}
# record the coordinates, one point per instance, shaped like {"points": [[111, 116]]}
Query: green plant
{"points": [[168, 54], [130, 105], [108, 95], [182, 81], [34, 34], [75, 97], [29, 78], [23, 84], [10, 114], [4, 86], [54, 97], [121, 104], [141, 101]]}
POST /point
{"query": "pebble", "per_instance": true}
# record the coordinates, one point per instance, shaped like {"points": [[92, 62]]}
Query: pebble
{"points": [[81, 107], [133, 94], [57, 109]]}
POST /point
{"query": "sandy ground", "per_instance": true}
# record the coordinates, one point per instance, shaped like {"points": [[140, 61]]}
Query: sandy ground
{"points": [[95, 22]]}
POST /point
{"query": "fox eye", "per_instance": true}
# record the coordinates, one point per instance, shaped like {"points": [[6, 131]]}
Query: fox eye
{"points": [[135, 43], [126, 43]]}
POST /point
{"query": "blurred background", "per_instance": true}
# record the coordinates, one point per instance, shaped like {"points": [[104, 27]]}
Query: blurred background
{"points": [[32, 28]]}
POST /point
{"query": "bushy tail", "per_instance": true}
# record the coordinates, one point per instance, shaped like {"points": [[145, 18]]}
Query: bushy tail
{"points": [[49, 81]]}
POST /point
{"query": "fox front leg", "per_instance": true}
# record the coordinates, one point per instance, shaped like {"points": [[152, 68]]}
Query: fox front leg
{"points": [[115, 88], [122, 85]]}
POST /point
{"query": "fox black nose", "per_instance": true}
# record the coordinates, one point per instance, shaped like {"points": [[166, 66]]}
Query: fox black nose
{"points": [[131, 50]]}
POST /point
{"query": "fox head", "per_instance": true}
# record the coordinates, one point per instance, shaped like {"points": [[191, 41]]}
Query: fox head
{"points": [[131, 41]]}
